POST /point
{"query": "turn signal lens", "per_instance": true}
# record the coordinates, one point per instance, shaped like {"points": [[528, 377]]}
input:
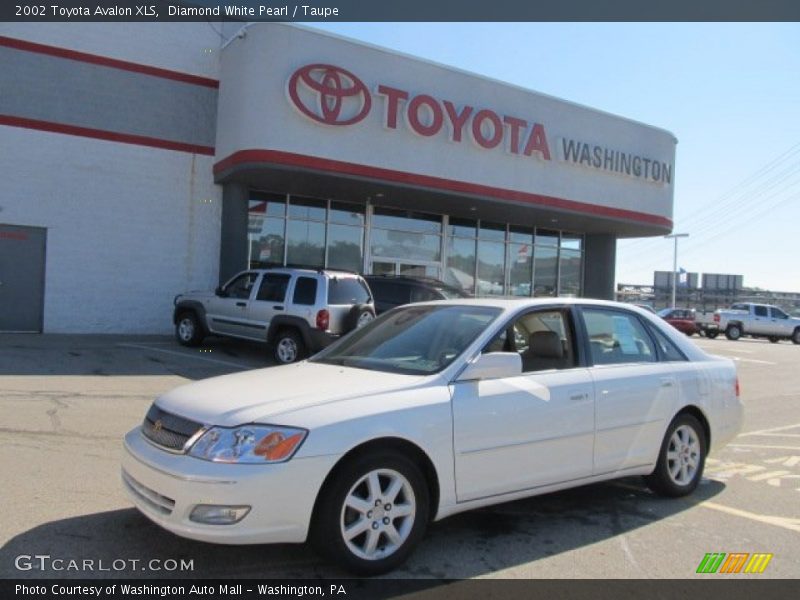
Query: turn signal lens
{"points": [[737, 387], [277, 446]]}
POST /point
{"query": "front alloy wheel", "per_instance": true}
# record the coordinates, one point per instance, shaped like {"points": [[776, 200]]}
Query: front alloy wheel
{"points": [[372, 513], [288, 347], [681, 459], [188, 330]]}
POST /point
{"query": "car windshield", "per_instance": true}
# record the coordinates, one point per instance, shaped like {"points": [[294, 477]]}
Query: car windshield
{"points": [[417, 340]]}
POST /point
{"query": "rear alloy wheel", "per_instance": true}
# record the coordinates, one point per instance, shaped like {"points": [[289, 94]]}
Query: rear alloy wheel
{"points": [[681, 459], [733, 332], [188, 330], [372, 514], [288, 347]]}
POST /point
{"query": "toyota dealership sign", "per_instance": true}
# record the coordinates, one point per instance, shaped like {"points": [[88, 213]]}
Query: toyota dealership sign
{"points": [[331, 95]]}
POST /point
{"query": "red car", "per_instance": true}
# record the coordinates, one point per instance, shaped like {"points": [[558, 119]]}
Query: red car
{"points": [[682, 319]]}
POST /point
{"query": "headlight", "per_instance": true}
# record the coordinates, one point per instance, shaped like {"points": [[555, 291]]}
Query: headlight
{"points": [[248, 444]]}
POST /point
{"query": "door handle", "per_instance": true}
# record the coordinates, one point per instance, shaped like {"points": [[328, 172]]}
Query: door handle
{"points": [[578, 396], [241, 304], [278, 307], [666, 383]]}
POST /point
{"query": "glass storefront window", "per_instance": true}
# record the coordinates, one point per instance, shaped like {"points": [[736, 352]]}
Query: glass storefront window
{"points": [[522, 235], [570, 272], [545, 269], [492, 231], [306, 244], [462, 227], [460, 271], [491, 268], [405, 245], [345, 247], [272, 205], [545, 237], [389, 218], [307, 208], [571, 241], [520, 266], [266, 241], [346, 214]]}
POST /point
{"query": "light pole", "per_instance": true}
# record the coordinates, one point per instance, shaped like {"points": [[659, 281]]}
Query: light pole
{"points": [[675, 236]]}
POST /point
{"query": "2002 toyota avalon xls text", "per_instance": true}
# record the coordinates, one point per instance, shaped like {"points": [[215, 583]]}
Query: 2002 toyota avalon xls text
{"points": [[430, 410]]}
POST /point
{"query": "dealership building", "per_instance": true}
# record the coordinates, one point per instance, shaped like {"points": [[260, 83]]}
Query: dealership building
{"points": [[143, 160]]}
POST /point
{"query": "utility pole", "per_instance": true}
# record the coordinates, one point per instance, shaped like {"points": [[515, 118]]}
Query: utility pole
{"points": [[675, 236]]}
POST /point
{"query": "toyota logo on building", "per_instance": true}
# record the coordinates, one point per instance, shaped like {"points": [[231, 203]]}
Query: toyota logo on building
{"points": [[328, 94]]}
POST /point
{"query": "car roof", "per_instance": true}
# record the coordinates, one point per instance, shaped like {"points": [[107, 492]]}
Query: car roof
{"points": [[507, 303], [305, 270]]}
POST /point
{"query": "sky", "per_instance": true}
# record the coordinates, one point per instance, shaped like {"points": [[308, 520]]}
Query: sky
{"points": [[730, 92]]}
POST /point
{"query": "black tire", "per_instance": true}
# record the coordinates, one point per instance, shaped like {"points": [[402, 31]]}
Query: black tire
{"points": [[733, 332], [712, 334], [188, 329], [359, 315], [288, 347], [796, 336], [663, 480], [773, 339], [333, 514]]}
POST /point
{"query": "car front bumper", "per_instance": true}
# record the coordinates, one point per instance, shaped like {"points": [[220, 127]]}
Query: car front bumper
{"points": [[166, 487]]}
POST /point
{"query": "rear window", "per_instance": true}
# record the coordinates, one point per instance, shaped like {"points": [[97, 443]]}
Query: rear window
{"points": [[347, 290]]}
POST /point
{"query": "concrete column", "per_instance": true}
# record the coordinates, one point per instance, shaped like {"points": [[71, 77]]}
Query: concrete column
{"points": [[233, 243], [599, 266]]}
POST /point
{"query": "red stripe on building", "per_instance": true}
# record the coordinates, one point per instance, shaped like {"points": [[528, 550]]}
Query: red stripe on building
{"points": [[105, 61], [450, 185], [101, 134]]}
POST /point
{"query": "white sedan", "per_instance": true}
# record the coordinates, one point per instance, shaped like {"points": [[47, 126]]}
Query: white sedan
{"points": [[431, 410]]}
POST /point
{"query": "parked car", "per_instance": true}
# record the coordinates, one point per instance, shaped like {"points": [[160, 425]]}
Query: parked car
{"points": [[758, 321], [391, 290], [682, 319], [430, 410], [297, 311]]}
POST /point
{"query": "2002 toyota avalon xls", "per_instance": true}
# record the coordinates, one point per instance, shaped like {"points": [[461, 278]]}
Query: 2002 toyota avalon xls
{"points": [[430, 410]]}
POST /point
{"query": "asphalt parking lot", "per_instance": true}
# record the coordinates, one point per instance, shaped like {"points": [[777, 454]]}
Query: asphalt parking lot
{"points": [[66, 402]]}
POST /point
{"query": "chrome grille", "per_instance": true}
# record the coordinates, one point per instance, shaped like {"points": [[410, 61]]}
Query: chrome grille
{"points": [[168, 430], [154, 500]]}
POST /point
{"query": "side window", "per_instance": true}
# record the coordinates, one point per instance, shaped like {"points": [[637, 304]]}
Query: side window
{"points": [[666, 347], [273, 287], [760, 311], [777, 313], [740, 307], [305, 291], [241, 286], [617, 337], [542, 338]]}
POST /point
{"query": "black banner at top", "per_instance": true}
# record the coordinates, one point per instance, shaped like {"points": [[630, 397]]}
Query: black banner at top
{"points": [[405, 10]]}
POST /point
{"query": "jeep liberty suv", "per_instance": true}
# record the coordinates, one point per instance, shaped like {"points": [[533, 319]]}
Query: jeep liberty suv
{"points": [[297, 311]]}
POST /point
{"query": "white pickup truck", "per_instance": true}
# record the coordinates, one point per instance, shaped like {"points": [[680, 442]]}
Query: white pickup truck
{"points": [[759, 321]]}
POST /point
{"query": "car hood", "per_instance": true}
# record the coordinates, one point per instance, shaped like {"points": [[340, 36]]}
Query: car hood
{"points": [[258, 395], [195, 294]]}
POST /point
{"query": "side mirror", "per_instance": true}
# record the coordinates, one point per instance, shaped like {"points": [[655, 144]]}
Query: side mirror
{"points": [[220, 292], [493, 365]]}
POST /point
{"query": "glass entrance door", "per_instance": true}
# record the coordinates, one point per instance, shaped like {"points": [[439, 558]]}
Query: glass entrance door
{"points": [[388, 266]]}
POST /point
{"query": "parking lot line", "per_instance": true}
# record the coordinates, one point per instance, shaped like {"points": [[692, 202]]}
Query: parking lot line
{"points": [[785, 522], [752, 360], [767, 447], [183, 355], [770, 430]]}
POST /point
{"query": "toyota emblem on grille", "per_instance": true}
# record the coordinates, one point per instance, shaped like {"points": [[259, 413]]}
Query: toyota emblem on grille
{"points": [[157, 425], [328, 94]]}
